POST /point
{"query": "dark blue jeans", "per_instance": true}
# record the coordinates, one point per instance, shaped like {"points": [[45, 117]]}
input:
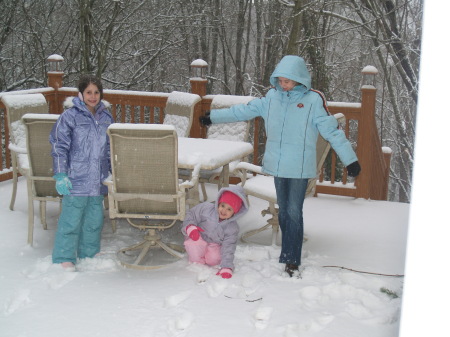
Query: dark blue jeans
{"points": [[290, 197]]}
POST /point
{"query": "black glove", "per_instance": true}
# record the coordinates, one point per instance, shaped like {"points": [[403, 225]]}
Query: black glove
{"points": [[205, 120], [353, 169]]}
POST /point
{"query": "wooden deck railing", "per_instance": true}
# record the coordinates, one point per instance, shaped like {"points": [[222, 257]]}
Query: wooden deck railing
{"points": [[145, 107]]}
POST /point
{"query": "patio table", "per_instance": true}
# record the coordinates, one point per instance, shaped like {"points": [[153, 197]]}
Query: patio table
{"points": [[210, 154]]}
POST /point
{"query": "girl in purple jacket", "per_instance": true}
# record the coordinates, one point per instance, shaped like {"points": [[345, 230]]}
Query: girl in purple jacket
{"points": [[211, 229], [81, 162]]}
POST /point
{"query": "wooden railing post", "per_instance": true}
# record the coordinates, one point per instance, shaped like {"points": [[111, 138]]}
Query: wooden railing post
{"points": [[198, 86], [55, 80], [366, 123]]}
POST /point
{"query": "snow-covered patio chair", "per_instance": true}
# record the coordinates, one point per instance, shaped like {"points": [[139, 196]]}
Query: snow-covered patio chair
{"points": [[40, 184], [262, 186], [238, 131], [17, 106], [179, 111], [145, 190]]}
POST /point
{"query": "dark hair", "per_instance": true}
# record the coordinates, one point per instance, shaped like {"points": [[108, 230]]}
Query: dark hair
{"points": [[85, 80]]}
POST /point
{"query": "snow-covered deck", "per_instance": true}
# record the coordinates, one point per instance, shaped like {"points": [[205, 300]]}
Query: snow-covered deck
{"points": [[103, 299]]}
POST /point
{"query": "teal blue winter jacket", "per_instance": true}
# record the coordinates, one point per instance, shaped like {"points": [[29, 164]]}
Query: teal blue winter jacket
{"points": [[293, 120]]}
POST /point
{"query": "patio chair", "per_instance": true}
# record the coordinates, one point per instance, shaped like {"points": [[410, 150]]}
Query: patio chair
{"points": [[179, 111], [262, 186], [144, 189], [17, 106], [238, 131], [40, 184]]}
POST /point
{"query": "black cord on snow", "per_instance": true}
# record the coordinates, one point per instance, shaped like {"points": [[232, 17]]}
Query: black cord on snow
{"points": [[234, 298], [364, 272]]}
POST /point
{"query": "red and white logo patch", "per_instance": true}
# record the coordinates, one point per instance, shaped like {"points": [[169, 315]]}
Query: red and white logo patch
{"points": [[300, 105]]}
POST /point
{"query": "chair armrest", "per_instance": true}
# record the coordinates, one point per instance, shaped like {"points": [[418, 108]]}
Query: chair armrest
{"points": [[243, 165], [340, 117], [17, 149], [243, 168], [108, 181]]}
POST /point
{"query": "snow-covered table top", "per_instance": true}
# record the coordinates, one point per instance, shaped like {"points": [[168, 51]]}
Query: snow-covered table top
{"points": [[210, 153]]}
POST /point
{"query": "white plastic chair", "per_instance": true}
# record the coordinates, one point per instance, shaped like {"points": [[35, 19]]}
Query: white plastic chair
{"points": [[145, 190], [238, 131], [40, 182], [179, 111], [17, 106]]}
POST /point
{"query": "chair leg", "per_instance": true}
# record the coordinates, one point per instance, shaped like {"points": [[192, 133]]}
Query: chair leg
{"points": [[193, 196], [170, 250], [15, 178], [275, 229], [224, 177], [152, 240], [43, 211], [246, 235], [155, 240], [145, 246], [30, 214], [274, 222], [106, 202], [271, 223], [149, 244], [205, 196]]}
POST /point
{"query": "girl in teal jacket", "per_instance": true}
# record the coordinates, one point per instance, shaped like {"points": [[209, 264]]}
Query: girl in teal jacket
{"points": [[294, 115]]}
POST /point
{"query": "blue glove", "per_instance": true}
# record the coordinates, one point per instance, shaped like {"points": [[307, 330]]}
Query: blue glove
{"points": [[63, 184]]}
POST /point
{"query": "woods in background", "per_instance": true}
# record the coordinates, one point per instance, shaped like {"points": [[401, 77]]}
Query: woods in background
{"points": [[149, 44]]}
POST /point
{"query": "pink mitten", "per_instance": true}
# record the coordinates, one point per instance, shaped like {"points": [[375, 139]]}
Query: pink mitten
{"points": [[225, 273], [194, 232]]}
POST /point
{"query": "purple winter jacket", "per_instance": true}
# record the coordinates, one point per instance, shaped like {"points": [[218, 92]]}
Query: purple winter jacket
{"points": [[80, 148], [226, 232]]}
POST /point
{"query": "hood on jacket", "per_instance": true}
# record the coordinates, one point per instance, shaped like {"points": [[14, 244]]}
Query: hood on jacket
{"points": [[294, 68], [239, 191], [70, 102]]}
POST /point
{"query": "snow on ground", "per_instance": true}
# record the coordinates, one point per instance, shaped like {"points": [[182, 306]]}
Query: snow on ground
{"points": [[39, 299]]}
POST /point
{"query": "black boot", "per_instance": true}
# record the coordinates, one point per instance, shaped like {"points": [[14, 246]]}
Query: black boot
{"points": [[290, 269]]}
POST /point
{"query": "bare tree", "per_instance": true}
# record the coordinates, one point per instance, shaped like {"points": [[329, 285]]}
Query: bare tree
{"points": [[149, 44], [339, 37], [392, 28]]}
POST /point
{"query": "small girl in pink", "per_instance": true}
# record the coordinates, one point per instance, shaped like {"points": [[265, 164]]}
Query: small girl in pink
{"points": [[212, 232]]}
